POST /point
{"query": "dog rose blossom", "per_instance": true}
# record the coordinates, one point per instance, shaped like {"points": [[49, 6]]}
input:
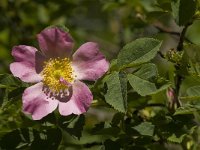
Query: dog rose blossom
{"points": [[57, 73]]}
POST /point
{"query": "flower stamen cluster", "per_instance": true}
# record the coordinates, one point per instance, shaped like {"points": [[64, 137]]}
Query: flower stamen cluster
{"points": [[57, 70]]}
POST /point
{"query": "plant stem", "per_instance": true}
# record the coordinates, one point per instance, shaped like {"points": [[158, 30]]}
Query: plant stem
{"points": [[163, 30], [182, 37], [178, 77]]}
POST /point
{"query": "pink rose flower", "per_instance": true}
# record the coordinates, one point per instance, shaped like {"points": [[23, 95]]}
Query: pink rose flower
{"points": [[57, 73]]}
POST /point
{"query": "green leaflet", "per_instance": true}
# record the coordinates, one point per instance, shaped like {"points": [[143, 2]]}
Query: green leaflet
{"points": [[116, 94], [144, 87], [10, 88], [187, 109], [141, 86], [192, 52], [137, 52], [193, 93], [175, 139], [147, 71], [145, 128]]}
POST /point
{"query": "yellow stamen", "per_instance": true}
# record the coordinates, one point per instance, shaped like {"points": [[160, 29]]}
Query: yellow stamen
{"points": [[54, 70]]}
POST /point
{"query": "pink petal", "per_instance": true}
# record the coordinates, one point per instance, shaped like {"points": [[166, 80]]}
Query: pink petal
{"points": [[28, 63], [54, 42], [89, 63], [35, 102], [79, 102]]}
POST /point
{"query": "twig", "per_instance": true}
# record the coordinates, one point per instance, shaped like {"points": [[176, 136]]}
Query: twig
{"points": [[178, 77], [182, 36], [162, 30]]}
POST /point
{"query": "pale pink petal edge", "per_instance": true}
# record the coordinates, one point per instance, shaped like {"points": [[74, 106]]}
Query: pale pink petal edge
{"points": [[89, 63], [36, 103], [79, 102]]}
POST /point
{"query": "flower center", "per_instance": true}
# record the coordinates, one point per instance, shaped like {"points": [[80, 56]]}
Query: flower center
{"points": [[57, 74]]}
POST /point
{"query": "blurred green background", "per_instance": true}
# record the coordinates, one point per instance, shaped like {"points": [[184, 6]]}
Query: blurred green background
{"points": [[111, 23]]}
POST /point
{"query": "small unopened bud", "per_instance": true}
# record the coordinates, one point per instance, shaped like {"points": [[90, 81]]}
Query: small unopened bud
{"points": [[173, 101], [170, 94]]}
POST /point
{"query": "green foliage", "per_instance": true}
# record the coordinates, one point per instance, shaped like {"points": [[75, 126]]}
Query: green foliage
{"points": [[183, 10], [10, 88], [138, 52], [164, 4], [75, 127], [117, 89], [193, 91], [175, 139], [143, 87], [147, 72], [27, 138], [105, 129], [187, 109], [145, 128]]}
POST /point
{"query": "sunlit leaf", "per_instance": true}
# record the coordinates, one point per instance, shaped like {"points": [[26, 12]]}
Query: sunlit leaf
{"points": [[175, 139]]}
